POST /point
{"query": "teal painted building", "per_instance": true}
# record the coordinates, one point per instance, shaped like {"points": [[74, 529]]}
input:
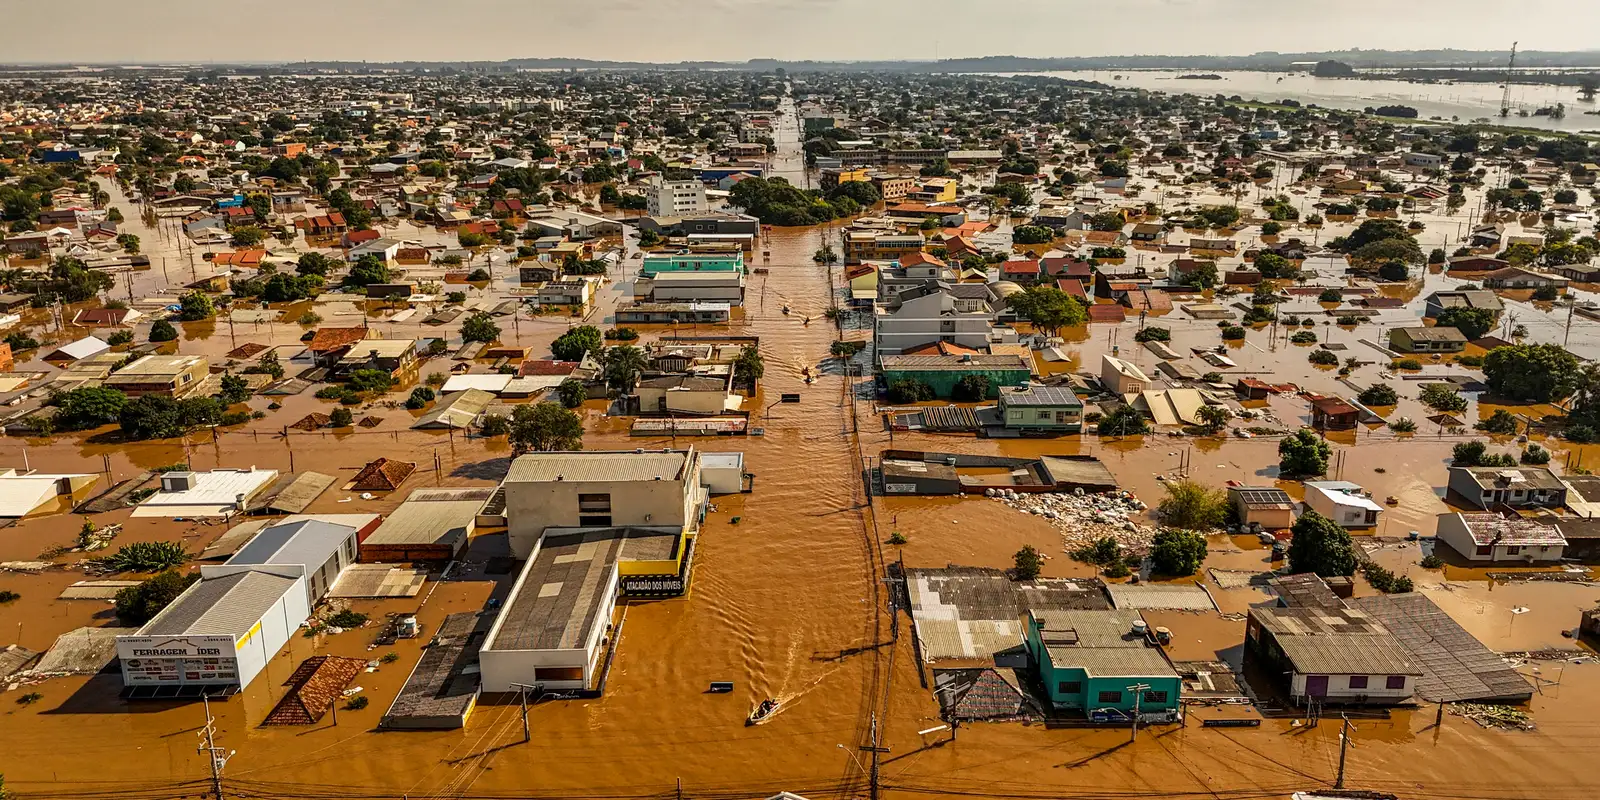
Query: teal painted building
{"points": [[1041, 409], [657, 263], [944, 372], [1090, 661]]}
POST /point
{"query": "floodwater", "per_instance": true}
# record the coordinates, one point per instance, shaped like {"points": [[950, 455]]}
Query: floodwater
{"points": [[786, 602], [1459, 102]]}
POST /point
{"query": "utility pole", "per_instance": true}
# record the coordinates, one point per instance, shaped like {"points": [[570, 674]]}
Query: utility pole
{"points": [[876, 750], [1138, 694], [212, 751], [522, 693], [1344, 744]]}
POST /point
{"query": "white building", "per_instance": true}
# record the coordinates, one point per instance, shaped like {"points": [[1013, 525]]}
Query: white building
{"points": [[674, 198], [1343, 502], [22, 494], [1489, 538], [224, 629], [217, 493], [592, 525], [691, 287], [928, 314], [1122, 377]]}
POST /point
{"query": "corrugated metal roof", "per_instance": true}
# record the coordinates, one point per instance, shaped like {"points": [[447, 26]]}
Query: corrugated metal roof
{"points": [[427, 522], [307, 542], [226, 606], [1455, 665], [599, 465]]}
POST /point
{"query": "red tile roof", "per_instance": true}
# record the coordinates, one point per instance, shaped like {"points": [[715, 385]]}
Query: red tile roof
{"points": [[1101, 312], [546, 368], [328, 339]]}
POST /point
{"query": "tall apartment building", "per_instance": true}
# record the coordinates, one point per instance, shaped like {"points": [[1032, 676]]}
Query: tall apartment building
{"points": [[675, 198]]}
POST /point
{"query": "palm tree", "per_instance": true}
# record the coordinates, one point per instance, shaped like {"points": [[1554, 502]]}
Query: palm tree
{"points": [[624, 364]]}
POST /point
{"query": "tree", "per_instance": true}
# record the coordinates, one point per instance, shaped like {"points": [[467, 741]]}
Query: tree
{"points": [[1271, 265], [420, 397], [1321, 546], [1537, 373], [480, 327], [572, 393], [1500, 422], [235, 389], [1378, 394], [1177, 552], [1443, 397], [1219, 216], [1028, 563], [1048, 308], [910, 390], [624, 365], [73, 282], [314, 264], [370, 380], [1193, 505], [748, 367], [367, 270], [155, 416], [340, 417], [1123, 420], [1474, 323], [1303, 453], [139, 604], [970, 389], [1203, 276], [285, 288], [1476, 454], [195, 306], [543, 427], [248, 236], [87, 407], [576, 342], [162, 331], [1032, 234], [1212, 418]]}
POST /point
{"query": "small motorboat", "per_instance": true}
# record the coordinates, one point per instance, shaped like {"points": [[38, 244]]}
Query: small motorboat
{"points": [[761, 713], [786, 309]]}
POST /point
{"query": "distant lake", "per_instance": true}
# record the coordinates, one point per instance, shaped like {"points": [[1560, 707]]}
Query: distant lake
{"points": [[1463, 101]]}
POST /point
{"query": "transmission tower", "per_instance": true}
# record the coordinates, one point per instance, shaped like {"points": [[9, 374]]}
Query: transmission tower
{"points": [[1505, 99]]}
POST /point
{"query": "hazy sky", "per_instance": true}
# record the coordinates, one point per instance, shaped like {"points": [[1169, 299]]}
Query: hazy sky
{"points": [[674, 30]]}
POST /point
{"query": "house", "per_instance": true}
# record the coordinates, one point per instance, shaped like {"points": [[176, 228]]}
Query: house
{"points": [[1343, 502], [687, 395], [1333, 414], [327, 225], [394, 356], [658, 489], [535, 272], [1148, 233], [457, 410], [1519, 278], [1043, 409], [674, 313], [431, 525], [1516, 487], [1471, 298], [943, 372], [1423, 160], [383, 249], [1491, 538], [1101, 663], [23, 494], [1122, 377], [687, 261], [1422, 339], [1475, 264], [218, 493], [1024, 271], [860, 245], [77, 350], [1268, 507], [1330, 655], [931, 311], [173, 376], [575, 293], [330, 344]]}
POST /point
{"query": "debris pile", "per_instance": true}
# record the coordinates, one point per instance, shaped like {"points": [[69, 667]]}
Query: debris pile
{"points": [[1084, 518], [1492, 716]]}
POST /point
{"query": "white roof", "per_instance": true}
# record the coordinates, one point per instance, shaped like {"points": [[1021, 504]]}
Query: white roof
{"points": [[1127, 369], [21, 494], [215, 493], [493, 384], [83, 348], [1343, 493]]}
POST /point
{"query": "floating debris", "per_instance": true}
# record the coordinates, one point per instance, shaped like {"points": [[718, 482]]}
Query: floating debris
{"points": [[1492, 716], [1084, 518]]}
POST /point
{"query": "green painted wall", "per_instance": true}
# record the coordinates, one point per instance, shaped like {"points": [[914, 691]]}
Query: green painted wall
{"points": [[943, 381]]}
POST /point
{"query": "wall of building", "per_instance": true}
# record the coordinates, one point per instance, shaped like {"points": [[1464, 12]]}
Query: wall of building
{"points": [[501, 669], [532, 507], [1339, 688]]}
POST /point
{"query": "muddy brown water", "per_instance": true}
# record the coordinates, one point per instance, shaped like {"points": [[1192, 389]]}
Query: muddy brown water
{"points": [[784, 603]]}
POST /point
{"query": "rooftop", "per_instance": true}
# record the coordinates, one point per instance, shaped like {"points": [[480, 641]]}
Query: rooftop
{"points": [[599, 465], [1038, 396], [1262, 497], [1335, 641], [1004, 361], [227, 606], [1493, 529], [309, 542], [431, 516], [1513, 477]]}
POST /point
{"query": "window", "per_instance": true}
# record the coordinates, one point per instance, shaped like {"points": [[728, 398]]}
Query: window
{"points": [[1513, 550], [1069, 687], [1155, 696], [1396, 682], [1358, 681], [1111, 697], [1484, 549], [1044, 416]]}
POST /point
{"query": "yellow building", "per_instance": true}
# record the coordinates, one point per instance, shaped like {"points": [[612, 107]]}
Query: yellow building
{"points": [[936, 190], [831, 178]]}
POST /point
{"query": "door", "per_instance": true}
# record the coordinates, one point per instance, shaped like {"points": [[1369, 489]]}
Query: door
{"points": [[1316, 686]]}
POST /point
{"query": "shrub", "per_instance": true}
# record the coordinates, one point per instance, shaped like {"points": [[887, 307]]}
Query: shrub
{"points": [[1535, 456], [1470, 361], [1323, 358], [1403, 425], [137, 605], [1303, 337], [1385, 581], [1193, 505], [370, 380], [1432, 562], [8, 596], [1500, 422], [1232, 333], [1348, 319], [910, 390], [1320, 545], [120, 337], [1379, 394], [1123, 420], [897, 538], [1476, 454], [1028, 563], [347, 619], [622, 335], [356, 703], [1153, 333], [970, 389], [1330, 296], [494, 425], [162, 331], [1443, 397], [1178, 552], [146, 557], [1303, 453], [235, 418], [420, 397], [1408, 364], [1582, 434], [341, 418]]}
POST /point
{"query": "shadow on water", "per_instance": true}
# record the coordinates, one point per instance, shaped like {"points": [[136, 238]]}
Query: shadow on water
{"points": [[492, 469], [850, 651]]}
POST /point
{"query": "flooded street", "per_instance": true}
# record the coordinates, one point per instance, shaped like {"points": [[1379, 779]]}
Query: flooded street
{"points": [[787, 599]]}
